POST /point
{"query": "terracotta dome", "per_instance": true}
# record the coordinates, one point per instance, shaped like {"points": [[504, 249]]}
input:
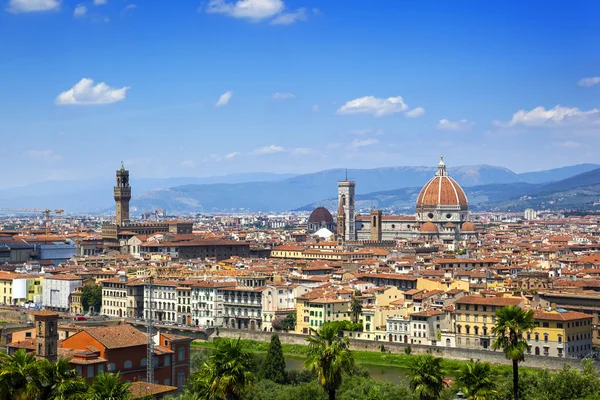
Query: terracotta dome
{"points": [[441, 190], [468, 227], [320, 214], [428, 227]]}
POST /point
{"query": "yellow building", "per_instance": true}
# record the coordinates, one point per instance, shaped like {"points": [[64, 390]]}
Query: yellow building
{"points": [[430, 284], [6, 286], [475, 317], [560, 333], [313, 313], [287, 251]]}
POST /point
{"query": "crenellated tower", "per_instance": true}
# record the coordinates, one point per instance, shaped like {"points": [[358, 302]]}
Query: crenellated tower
{"points": [[122, 196]]}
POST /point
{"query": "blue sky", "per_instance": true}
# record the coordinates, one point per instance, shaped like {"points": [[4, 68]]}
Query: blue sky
{"points": [[189, 88]]}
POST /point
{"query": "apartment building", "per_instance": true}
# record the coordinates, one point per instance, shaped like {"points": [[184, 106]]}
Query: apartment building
{"points": [[313, 313], [475, 317], [242, 307], [207, 302], [164, 301], [184, 302], [122, 297], [278, 301], [398, 329], [560, 333], [426, 326]]}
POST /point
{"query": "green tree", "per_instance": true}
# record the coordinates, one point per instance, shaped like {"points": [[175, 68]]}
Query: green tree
{"points": [[91, 296], [356, 308], [273, 366], [476, 381], [60, 382], [328, 356], [511, 322], [227, 374], [19, 376], [109, 387], [289, 322], [426, 376]]}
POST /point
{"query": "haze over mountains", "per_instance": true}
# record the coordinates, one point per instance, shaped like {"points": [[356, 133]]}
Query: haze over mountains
{"points": [[390, 187]]}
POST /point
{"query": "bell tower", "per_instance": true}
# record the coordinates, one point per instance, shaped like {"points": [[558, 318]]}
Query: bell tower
{"points": [[346, 190], [46, 338], [122, 196]]}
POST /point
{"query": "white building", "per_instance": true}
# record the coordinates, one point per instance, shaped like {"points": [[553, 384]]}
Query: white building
{"points": [[207, 302], [398, 329], [56, 291], [279, 301], [530, 214], [164, 301], [425, 325]]}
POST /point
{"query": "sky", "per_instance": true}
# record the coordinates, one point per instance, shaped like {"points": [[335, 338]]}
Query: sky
{"points": [[204, 88]]}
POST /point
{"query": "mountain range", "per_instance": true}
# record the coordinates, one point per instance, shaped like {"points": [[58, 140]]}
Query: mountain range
{"points": [[391, 187]]}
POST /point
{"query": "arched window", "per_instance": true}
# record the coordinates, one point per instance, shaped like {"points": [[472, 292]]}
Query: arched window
{"points": [[545, 337], [111, 367], [559, 338], [128, 364], [537, 336], [468, 329]]}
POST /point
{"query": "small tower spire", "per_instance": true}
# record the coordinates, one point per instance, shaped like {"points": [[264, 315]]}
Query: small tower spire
{"points": [[441, 167], [346, 173]]}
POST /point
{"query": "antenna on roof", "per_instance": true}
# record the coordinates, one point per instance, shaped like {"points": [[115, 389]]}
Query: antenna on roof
{"points": [[346, 173]]}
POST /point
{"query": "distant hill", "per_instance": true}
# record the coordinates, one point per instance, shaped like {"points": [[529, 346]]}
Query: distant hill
{"points": [[556, 174], [577, 192], [377, 187]]}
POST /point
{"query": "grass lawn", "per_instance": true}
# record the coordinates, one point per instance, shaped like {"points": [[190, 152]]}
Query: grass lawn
{"points": [[366, 357]]}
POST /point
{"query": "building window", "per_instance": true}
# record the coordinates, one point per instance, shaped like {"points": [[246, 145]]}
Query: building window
{"points": [[144, 362], [128, 364], [79, 370], [111, 367], [167, 360], [90, 371], [181, 378], [181, 354]]}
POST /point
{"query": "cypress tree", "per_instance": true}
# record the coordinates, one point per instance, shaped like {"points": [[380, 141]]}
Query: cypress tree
{"points": [[273, 366]]}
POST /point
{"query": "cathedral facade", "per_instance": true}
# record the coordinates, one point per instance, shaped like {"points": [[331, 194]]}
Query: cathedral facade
{"points": [[441, 217]]}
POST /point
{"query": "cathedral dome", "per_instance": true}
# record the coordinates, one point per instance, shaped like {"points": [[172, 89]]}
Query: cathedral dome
{"points": [[320, 214], [468, 227], [428, 227], [441, 190]]}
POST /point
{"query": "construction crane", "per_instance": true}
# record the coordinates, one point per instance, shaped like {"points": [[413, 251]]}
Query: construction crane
{"points": [[149, 275], [45, 211]]}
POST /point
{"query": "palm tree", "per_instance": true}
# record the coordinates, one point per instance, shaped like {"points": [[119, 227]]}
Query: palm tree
{"points": [[511, 322], [227, 374], [19, 376], [356, 308], [475, 380], [109, 386], [426, 377], [60, 382], [328, 356]]}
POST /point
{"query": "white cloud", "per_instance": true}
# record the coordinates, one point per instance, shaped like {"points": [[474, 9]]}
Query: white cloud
{"points": [[284, 96], [272, 149], [589, 82], [79, 11], [212, 158], [23, 6], [128, 8], [302, 151], [569, 144], [188, 164], [224, 99], [363, 143], [253, 10], [374, 106], [44, 155], [85, 92], [315, 108], [460, 125], [415, 112], [361, 132], [231, 156], [289, 18], [554, 117], [100, 2]]}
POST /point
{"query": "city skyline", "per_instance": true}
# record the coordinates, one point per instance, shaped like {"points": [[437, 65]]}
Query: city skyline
{"points": [[227, 87]]}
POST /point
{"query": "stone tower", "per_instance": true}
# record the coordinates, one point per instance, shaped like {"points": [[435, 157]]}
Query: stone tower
{"points": [[122, 196], [346, 201], [376, 225], [341, 223], [46, 338]]}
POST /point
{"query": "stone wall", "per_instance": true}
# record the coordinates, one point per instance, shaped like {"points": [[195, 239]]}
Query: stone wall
{"points": [[531, 361]]}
